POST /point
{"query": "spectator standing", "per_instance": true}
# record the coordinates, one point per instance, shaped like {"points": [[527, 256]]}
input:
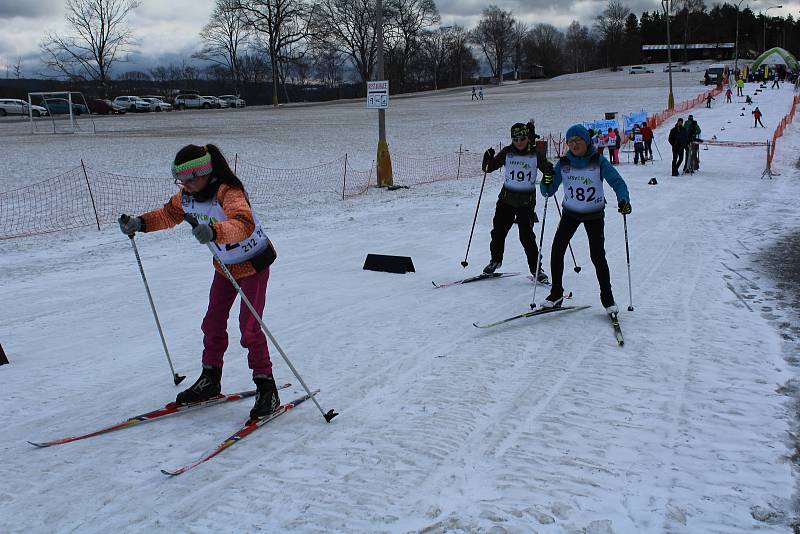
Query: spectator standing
{"points": [[679, 140], [647, 133]]}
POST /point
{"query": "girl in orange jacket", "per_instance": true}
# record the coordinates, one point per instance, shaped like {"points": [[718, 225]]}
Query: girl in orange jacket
{"points": [[211, 192]]}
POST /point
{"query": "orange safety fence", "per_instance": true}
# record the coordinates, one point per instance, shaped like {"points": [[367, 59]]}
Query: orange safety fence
{"points": [[785, 121], [654, 121]]}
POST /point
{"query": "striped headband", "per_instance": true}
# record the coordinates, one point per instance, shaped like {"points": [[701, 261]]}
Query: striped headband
{"points": [[193, 168]]}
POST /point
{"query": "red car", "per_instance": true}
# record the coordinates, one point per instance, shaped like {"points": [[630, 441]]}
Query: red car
{"points": [[104, 107]]}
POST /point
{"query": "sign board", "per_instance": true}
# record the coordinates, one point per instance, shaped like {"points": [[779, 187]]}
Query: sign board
{"points": [[637, 117], [378, 95], [601, 125]]}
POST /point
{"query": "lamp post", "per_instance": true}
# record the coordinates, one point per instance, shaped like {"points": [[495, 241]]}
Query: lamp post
{"points": [[671, 99], [764, 42]]}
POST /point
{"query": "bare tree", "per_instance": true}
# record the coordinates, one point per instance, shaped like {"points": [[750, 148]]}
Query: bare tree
{"points": [[578, 42], [405, 22], [519, 33], [545, 45], [328, 62], [96, 40], [610, 25], [348, 26], [459, 51], [281, 23], [494, 35], [223, 36], [435, 51], [18, 68]]}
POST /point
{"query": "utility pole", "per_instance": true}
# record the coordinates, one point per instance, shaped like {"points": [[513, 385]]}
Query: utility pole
{"points": [[384, 160], [671, 98]]}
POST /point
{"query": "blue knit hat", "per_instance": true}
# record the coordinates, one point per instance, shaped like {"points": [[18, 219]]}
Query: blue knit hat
{"points": [[579, 130]]}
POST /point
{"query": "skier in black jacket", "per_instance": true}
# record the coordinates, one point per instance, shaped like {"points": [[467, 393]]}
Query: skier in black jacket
{"points": [[517, 198]]}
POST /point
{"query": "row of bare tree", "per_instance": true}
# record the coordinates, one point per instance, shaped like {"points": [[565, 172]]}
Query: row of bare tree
{"points": [[281, 43]]}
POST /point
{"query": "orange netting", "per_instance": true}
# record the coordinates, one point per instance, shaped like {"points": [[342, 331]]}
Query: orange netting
{"points": [[654, 121], [785, 121]]}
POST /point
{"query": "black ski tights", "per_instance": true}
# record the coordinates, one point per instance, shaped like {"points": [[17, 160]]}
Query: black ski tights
{"points": [[595, 232]]}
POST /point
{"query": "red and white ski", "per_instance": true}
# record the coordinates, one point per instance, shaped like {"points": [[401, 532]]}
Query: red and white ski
{"points": [[248, 428], [169, 409]]}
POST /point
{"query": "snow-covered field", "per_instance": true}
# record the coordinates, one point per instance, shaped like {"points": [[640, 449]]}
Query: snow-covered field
{"points": [[542, 425]]}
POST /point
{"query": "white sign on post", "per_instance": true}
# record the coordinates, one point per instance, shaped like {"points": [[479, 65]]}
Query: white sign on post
{"points": [[378, 95]]}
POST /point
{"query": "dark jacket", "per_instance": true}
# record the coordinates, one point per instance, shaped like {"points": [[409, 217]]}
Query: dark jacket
{"points": [[692, 130], [516, 198], [678, 137]]}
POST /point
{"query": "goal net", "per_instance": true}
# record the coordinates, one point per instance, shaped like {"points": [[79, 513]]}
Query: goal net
{"points": [[64, 112]]}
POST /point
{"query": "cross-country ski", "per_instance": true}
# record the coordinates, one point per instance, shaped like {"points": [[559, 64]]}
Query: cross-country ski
{"points": [[478, 278], [170, 409], [531, 313], [248, 428]]}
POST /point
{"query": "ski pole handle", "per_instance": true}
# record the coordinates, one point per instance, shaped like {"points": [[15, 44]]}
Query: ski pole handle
{"points": [[191, 219], [124, 220]]}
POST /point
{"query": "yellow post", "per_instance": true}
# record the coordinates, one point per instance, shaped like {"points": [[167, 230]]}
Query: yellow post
{"points": [[384, 161], [384, 168]]}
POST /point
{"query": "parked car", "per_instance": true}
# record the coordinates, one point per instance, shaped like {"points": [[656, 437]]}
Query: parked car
{"points": [[216, 102], [15, 106], [104, 107], [156, 104], [60, 106], [132, 103], [233, 101], [188, 101], [639, 69], [676, 68]]}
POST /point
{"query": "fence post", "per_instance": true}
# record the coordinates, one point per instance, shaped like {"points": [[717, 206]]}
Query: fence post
{"points": [[91, 195], [235, 162], [344, 178], [458, 171]]}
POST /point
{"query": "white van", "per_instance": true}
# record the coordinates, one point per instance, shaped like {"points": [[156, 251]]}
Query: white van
{"points": [[639, 69]]}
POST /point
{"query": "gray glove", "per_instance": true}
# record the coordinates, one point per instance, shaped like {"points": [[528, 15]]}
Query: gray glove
{"points": [[129, 225], [204, 233]]}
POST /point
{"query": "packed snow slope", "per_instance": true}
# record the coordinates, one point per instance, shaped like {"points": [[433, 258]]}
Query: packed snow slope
{"points": [[541, 425]]}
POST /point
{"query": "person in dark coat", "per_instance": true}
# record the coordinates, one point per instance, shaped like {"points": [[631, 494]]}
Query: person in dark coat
{"points": [[679, 139]]}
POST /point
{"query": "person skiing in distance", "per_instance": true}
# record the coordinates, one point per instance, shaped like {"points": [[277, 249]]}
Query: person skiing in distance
{"points": [[757, 118], [474, 96], [638, 145], [211, 192], [480, 93], [728, 95], [740, 87], [775, 84], [709, 98], [583, 171], [679, 140], [517, 198], [647, 133]]}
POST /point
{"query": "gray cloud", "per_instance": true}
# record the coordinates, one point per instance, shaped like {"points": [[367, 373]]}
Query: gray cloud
{"points": [[30, 8]]}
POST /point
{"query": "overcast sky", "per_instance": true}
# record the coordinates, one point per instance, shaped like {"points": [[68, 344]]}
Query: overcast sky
{"points": [[167, 29]]}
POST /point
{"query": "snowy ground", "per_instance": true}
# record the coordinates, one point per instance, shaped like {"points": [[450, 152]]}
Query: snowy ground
{"points": [[542, 425]]}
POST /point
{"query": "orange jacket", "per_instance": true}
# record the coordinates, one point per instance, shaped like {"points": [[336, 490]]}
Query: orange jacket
{"points": [[237, 227]]}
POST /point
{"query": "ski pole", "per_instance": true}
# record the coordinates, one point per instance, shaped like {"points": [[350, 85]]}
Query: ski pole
{"points": [[465, 262], [577, 268], [539, 260], [657, 150], [628, 256], [192, 220], [175, 376]]}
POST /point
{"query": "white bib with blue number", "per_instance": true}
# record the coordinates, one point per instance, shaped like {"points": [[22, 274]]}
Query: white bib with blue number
{"points": [[638, 138], [210, 212], [521, 172], [583, 189]]}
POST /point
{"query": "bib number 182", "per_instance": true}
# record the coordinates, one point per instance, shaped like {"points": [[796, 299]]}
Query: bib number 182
{"points": [[580, 194]]}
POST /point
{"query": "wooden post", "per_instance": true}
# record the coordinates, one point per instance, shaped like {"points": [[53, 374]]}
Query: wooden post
{"points": [[344, 178], [235, 162], [91, 196], [458, 172]]}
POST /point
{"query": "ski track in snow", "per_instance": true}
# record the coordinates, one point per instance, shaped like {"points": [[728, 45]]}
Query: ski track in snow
{"points": [[541, 425]]}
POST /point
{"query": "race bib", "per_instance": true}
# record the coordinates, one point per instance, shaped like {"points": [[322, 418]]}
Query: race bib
{"points": [[520, 172], [583, 189]]}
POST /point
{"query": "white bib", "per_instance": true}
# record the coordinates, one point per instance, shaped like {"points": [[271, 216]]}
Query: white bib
{"points": [[210, 212], [521, 172], [601, 143], [638, 138], [583, 189]]}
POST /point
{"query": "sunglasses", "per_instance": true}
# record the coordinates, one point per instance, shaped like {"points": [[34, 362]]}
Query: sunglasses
{"points": [[186, 181], [520, 138]]}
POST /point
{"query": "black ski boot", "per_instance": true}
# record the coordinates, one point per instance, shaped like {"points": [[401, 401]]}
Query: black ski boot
{"points": [[607, 299], [492, 267], [206, 387], [267, 400], [542, 278]]}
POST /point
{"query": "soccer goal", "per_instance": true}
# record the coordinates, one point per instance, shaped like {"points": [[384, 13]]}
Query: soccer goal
{"points": [[67, 112]]}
